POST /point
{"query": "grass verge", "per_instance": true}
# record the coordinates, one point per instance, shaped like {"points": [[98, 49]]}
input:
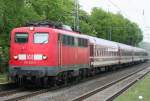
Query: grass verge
{"points": [[139, 92]]}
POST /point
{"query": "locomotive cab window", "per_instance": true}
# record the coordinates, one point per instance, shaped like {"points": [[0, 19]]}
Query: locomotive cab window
{"points": [[21, 37], [41, 38]]}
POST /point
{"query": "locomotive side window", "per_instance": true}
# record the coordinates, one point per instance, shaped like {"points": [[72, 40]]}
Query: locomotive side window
{"points": [[41, 38], [82, 42], [72, 41], [68, 40], [65, 40], [21, 37]]}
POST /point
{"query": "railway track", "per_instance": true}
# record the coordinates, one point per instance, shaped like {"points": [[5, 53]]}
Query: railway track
{"points": [[7, 86], [55, 92], [108, 91], [23, 95], [9, 92], [26, 93]]}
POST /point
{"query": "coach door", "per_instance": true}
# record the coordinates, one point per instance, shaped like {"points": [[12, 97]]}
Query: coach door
{"points": [[91, 54]]}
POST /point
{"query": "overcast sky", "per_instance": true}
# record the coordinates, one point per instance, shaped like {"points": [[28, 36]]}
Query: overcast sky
{"points": [[137, 11]]}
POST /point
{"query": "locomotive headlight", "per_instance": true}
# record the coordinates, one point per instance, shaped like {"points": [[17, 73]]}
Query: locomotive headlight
{"points": [[15, 57], [31, 28], [44, 57]]}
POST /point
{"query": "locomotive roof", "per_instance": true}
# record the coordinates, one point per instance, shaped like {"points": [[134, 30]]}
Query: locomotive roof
{"points": [[70, 33]]}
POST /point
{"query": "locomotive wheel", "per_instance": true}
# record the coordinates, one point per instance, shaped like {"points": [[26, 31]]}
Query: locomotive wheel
{"points": [[57, 80], [66, 78], [38, 82], [45, 81], [19, 81], [83, 73], [71, 77]]}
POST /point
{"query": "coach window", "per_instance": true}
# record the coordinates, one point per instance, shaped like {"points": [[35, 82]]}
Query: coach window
{"points": [[41, 38], [85, 42], [106, 51], [21, 37], [97, 53], [100, 52]]}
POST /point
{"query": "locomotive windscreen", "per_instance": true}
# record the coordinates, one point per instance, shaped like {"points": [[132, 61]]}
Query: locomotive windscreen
{"points": [[41, 38], [21, 37]]}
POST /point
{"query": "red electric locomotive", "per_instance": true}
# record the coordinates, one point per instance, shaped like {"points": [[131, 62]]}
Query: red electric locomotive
{"points": [[39, 54]]}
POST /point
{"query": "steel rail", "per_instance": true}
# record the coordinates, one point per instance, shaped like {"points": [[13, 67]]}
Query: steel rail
{"points": [[88, 94]]}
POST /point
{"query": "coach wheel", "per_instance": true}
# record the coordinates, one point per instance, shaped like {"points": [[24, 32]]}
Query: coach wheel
{"points": [[92, 72]]}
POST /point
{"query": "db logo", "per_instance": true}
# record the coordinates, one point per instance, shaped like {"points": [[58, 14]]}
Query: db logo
{"points": [[30, 57]]}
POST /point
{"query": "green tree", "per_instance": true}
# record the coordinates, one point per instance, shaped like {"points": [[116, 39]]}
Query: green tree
{"points": [[115, 26], [56, 10]]}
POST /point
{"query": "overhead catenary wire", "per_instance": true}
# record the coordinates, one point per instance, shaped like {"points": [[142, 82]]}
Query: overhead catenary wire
{"points": [[117, 7]]}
